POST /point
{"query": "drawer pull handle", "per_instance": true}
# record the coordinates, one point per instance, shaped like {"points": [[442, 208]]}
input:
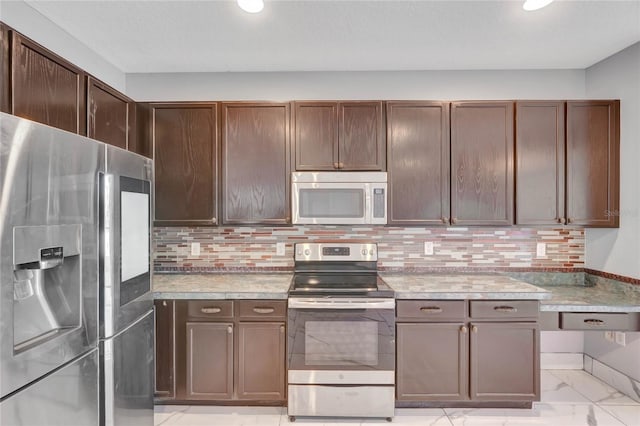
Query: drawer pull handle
{"points": [[505, 309], [263, 310], [594, 321], [431, 309], [210, 310]]}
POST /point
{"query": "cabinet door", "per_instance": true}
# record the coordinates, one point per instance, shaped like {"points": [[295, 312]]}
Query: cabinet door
{"points": [[361, 136], [185, 152], [593, 146], [164, 349], [46, 88], [140, 130], [540, 151], [5, 70], [209, 360], [316, 135], [482, 163], [505, 362], [433, 362], [108, 114], [261, 361], [418, 163], [255, 163]]}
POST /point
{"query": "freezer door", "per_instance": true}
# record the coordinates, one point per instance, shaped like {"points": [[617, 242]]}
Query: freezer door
{"points": [[67, 397], [125, 290], [126, 362], [49, 198]]}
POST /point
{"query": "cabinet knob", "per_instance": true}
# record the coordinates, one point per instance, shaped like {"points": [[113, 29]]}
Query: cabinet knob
{"points": [[463, 329], [214, 220], [569, 220], [336, 165], [454, 220], [474, 328], [341, 165], [445, 219], [164, 303], [229, 329], [282, 329], [563, 220]]}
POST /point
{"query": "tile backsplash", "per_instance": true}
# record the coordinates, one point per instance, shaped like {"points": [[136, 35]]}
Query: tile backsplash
{"points": [[399, 248]]}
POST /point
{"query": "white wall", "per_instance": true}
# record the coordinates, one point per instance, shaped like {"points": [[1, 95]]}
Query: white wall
{"points": [[26, 20], [618, 250], [283, 86]]}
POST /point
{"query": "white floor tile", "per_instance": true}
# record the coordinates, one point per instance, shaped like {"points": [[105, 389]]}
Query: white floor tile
{"points": [[593, 388], [161, 413], [556, 391], [540, 414], [628, 414], [225, 416]]}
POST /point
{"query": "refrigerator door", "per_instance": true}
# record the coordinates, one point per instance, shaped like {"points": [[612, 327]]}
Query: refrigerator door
{"points": [[127, 369], [49, 212], [66, 397], [126, 244]]}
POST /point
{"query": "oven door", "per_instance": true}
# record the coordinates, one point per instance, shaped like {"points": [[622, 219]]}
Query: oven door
{"points": [[350, 340]]}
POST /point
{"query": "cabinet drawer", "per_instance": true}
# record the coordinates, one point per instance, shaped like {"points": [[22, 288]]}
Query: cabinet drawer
{"points": [[594, 321], [262, 309], [431, 310], [210, 309], [504, 309]]}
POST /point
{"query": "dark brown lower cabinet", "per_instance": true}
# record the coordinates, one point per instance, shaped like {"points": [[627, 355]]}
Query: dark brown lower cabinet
{"points": [[226, 352], [433, 362], [488, 354], [505, 361], [164, 347], [261, 356], [209, 360]]}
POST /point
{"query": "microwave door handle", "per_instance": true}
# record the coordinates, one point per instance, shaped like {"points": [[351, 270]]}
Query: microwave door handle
{"points": [[367, 203]]}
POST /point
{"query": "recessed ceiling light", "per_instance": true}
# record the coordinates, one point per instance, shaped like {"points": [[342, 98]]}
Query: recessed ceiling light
{"points": [[251, 6], [530, 5]]}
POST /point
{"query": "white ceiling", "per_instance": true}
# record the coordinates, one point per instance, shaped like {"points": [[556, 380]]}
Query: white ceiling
{"points": [[212, 36]]}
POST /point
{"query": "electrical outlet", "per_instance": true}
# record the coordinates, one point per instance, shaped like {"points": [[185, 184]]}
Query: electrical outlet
{"points": [[195, 249], [541, 249], [428, 248], [279, 249], [610, 336], [621, 338]]}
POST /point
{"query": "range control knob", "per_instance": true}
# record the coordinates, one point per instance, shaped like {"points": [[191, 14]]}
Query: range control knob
{"points": [[307, 252], [364, 252], [371, 252]]}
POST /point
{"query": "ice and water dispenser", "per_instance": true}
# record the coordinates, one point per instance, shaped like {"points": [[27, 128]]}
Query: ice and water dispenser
{"points": [[47, 279]]}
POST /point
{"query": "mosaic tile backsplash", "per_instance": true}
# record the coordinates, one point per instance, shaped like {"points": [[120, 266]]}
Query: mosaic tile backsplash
{"points": [[399, 249]]}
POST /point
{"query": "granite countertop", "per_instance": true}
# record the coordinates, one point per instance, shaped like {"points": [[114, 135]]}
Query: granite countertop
{"points": [[462, 286], [221, 286], [598, 298]]}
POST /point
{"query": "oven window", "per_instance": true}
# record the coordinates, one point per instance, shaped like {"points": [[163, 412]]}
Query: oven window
{"points": [[341, 343], [331, 203]]}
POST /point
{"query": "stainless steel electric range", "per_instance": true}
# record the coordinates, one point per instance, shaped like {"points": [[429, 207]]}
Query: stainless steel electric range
{"points": [[341, 333]]}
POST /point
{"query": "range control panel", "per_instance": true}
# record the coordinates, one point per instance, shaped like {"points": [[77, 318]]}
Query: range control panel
{"points": [[351, 252]]}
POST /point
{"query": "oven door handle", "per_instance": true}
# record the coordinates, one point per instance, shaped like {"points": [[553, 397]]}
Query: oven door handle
{"points": [[342, 303]]}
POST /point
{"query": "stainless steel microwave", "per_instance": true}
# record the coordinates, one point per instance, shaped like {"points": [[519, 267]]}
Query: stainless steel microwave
{"points": [[339, 198]]}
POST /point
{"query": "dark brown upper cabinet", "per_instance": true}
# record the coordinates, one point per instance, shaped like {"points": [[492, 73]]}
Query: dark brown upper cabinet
{"points": [[418, 163], [482, 163], [540, 157], [339, 135], [593, 174], [255, 163], [46, 88], [109, 114], [5, 69], [185, 143]]}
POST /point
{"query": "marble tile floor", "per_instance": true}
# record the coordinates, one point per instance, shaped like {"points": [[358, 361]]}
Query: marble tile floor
{"points": [[569, 398]]}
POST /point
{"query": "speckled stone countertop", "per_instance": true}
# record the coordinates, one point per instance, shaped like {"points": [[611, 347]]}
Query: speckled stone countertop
{"points": [[221, 286], [598, 298], [462, 286]]}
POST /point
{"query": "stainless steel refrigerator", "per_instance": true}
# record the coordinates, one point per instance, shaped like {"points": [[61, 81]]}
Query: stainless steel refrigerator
{"points": [[76, 322]]}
